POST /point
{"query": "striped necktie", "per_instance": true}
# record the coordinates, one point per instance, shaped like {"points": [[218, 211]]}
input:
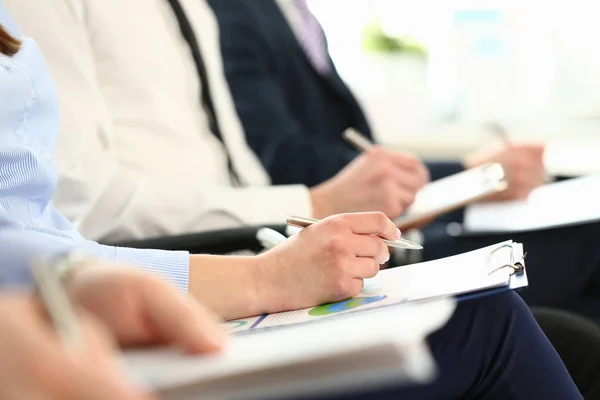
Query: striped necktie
{"points": [[206, 98], [312, 39]]}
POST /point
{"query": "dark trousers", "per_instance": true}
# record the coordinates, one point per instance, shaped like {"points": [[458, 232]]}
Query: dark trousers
{"points": [[563, 264], [492, 348]]}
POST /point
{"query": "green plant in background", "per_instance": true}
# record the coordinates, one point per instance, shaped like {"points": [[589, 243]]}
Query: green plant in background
{"points": [[375, 40]]}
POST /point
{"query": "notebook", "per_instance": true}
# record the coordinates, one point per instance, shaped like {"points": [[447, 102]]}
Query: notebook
{"points": [[332, 347], [572, 157], [564, 203], [453, 192], [327, 357]]}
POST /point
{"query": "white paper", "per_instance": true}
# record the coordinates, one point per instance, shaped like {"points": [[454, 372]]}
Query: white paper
{"points": [[360, 342], [569, 202], [455, 190], [572, 158], [449, 276], [395, 334]]}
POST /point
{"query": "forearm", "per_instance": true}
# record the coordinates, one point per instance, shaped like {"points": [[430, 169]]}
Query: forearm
{"points": [[229, 285]]}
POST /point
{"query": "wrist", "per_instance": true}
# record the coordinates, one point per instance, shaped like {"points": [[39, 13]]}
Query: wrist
{"points": [[267, 280], [231, 286], [320, 205]]}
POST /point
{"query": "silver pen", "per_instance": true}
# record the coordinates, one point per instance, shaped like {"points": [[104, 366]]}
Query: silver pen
{"points": [[357, 140], [57, 302], [302, 222]]}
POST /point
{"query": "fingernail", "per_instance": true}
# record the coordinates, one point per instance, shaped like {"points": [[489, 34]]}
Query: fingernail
{"points": [[398, 233], [384, 259]]}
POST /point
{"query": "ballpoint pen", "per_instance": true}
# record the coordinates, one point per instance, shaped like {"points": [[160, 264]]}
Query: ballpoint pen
{"points": [[49, 278], [357, 140], [57, 302], [302, 222], [499, 130]]}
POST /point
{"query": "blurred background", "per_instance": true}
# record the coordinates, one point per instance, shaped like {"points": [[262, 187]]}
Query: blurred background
{"points": [[440, 71]]}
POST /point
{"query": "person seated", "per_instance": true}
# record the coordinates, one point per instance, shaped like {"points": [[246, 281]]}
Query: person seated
{"points": [[295, 107], [485, 351], [136, 163], [299, 274], [137, 157]]}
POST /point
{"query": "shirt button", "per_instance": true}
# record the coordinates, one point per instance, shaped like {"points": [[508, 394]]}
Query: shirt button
{"points": [[32, 93]]}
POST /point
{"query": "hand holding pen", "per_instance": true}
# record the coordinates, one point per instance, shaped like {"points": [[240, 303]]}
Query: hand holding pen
{"points": [[523, 163]]}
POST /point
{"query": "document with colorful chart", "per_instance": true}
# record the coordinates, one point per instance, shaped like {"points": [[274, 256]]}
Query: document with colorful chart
{"points": [[500, 266], [326, 358]]}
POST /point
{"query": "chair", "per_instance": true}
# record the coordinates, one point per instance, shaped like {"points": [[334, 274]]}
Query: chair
{"points": [[210, 242]]}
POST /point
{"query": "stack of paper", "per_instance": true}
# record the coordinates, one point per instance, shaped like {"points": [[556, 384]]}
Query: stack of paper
{"points": [[570, 202]]}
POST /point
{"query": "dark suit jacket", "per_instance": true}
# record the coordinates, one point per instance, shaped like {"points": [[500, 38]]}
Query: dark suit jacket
{"points": [[293, 117]]}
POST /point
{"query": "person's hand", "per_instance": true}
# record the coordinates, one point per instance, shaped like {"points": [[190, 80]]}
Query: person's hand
{"points": [[34, 364], [140, 309], [326, 262], [523, 164], [377, 180]]}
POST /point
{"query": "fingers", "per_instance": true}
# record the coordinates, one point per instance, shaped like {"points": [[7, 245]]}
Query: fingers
{"points": [[399, 158], [97, 374], [408, 169], [371, 247], [370, 223], [183, 321], [41, 367], [365, 267], [108, 387], [529, 150], [356, 287], [524, 176], [409, 181]]}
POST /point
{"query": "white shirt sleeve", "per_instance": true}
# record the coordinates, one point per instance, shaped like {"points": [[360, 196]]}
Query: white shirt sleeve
{"points": [[104, 196]]}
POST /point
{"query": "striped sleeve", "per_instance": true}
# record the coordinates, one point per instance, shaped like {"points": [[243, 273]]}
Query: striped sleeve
{"points": [[174, 266]]}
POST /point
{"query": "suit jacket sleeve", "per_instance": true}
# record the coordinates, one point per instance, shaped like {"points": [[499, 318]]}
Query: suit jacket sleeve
{"points": [[272, 130], [442, 169]]}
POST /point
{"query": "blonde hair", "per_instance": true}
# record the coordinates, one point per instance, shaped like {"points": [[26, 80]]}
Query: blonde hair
{"points": [[8, 44]]}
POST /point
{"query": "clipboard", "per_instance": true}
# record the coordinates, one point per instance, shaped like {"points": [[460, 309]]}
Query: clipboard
{"points": [[551, 206], [476, 273], [516, 268], [452, 193]]}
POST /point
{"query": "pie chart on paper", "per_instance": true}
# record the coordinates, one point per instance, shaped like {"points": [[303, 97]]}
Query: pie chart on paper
{"points": [[350, 304], [233, 325]]}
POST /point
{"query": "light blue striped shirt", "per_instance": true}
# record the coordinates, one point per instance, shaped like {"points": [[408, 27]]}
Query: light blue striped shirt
{"points": [[29, 125]]}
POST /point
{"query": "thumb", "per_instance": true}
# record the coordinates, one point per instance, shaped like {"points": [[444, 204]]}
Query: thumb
{"points": [[183, 321]]}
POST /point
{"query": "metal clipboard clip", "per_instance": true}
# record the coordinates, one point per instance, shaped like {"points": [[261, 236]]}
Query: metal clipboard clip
{"points": [[517, 267]]}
